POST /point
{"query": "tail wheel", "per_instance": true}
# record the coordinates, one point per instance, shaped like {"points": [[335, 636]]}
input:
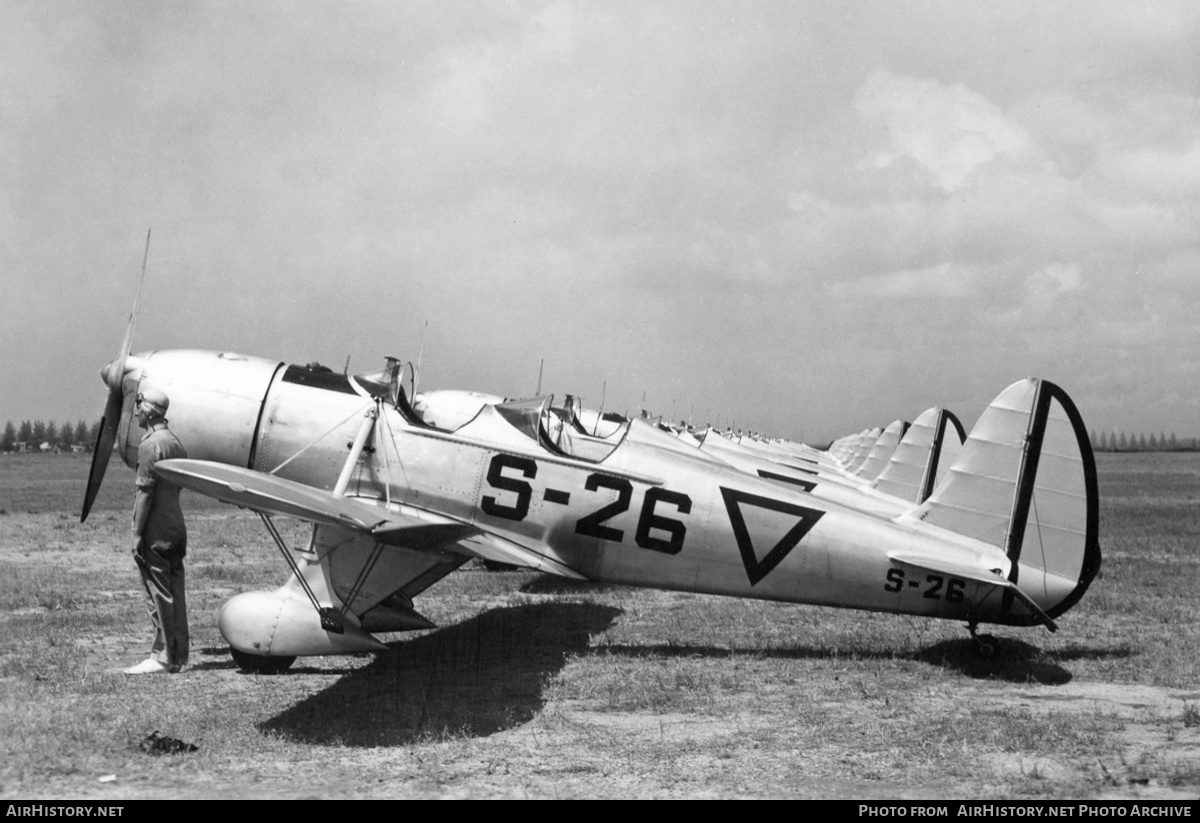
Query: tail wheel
{"points": [[986, 646], [260, 663]]}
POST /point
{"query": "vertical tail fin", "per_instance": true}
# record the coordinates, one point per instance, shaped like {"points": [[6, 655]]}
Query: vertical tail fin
{"points": [[924, 454], [882, 451], [862, 449], [1025, 482]]}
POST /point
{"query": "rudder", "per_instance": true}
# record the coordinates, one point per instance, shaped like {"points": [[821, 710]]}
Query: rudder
{"points": [[1025, 482]]}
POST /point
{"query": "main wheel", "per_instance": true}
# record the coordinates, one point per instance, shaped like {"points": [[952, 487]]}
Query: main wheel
{"points": [[260, 663]]}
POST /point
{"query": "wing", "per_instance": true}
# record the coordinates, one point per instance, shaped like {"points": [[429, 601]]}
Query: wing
{"points": [[421, 530], [269, 494]]}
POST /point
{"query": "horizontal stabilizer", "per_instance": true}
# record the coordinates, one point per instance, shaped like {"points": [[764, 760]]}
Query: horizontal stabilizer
{"points": [[940, 565], [991, 577]]}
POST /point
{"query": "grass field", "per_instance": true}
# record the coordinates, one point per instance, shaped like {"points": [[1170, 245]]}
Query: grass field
{"points": [[535, 687]]}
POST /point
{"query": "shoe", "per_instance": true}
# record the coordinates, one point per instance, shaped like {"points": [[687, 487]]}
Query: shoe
{"points": [[177, 668], [147, 666]]}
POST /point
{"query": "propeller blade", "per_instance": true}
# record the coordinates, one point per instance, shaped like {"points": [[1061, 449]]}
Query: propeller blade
{"points": [[114, 377], [102, 452], [114, 373]]}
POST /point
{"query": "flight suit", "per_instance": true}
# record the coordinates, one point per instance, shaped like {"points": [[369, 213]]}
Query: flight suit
{"points": [[163, 546]]}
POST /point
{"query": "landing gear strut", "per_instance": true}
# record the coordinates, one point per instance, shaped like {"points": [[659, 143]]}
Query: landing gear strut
{"points": [[986, 645]]}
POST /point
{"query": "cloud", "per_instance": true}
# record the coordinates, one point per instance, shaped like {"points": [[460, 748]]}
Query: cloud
{"points": [[943, 281], [625, 185], [949, 131], [1159, 171], [1047, 298], [1058, 277]]}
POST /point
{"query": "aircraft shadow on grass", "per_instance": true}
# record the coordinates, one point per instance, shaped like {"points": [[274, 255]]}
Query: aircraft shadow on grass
{"points": [[1015, 662], [472, 679], [489, 673]]}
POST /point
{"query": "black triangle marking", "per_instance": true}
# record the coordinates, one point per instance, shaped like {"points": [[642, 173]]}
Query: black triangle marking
{"points": [[757, 569], [807, 485]]}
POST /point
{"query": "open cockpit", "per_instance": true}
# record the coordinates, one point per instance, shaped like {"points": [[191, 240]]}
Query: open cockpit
{"points": [[561, 430]]}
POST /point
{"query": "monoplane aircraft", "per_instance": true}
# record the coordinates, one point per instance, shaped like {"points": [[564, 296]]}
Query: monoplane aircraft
{"points": [[397, 502]]}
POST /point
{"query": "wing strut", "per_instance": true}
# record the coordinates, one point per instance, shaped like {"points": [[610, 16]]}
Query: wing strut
{"points": [[331, 619], [360, 440], [366, 430]]}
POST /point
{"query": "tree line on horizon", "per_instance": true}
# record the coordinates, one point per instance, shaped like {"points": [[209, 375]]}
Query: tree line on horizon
{"points": [[80, 436], [31, 435], [1120, 442]]}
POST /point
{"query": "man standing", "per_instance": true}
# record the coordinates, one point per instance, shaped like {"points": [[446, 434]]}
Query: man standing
{"points": [[160, 538]]}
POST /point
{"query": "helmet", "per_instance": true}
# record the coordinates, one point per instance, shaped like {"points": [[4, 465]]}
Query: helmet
{"points": [[153, 401]]}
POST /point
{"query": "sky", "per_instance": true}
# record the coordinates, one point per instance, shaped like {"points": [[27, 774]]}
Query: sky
{"points": [[805, 218]]}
